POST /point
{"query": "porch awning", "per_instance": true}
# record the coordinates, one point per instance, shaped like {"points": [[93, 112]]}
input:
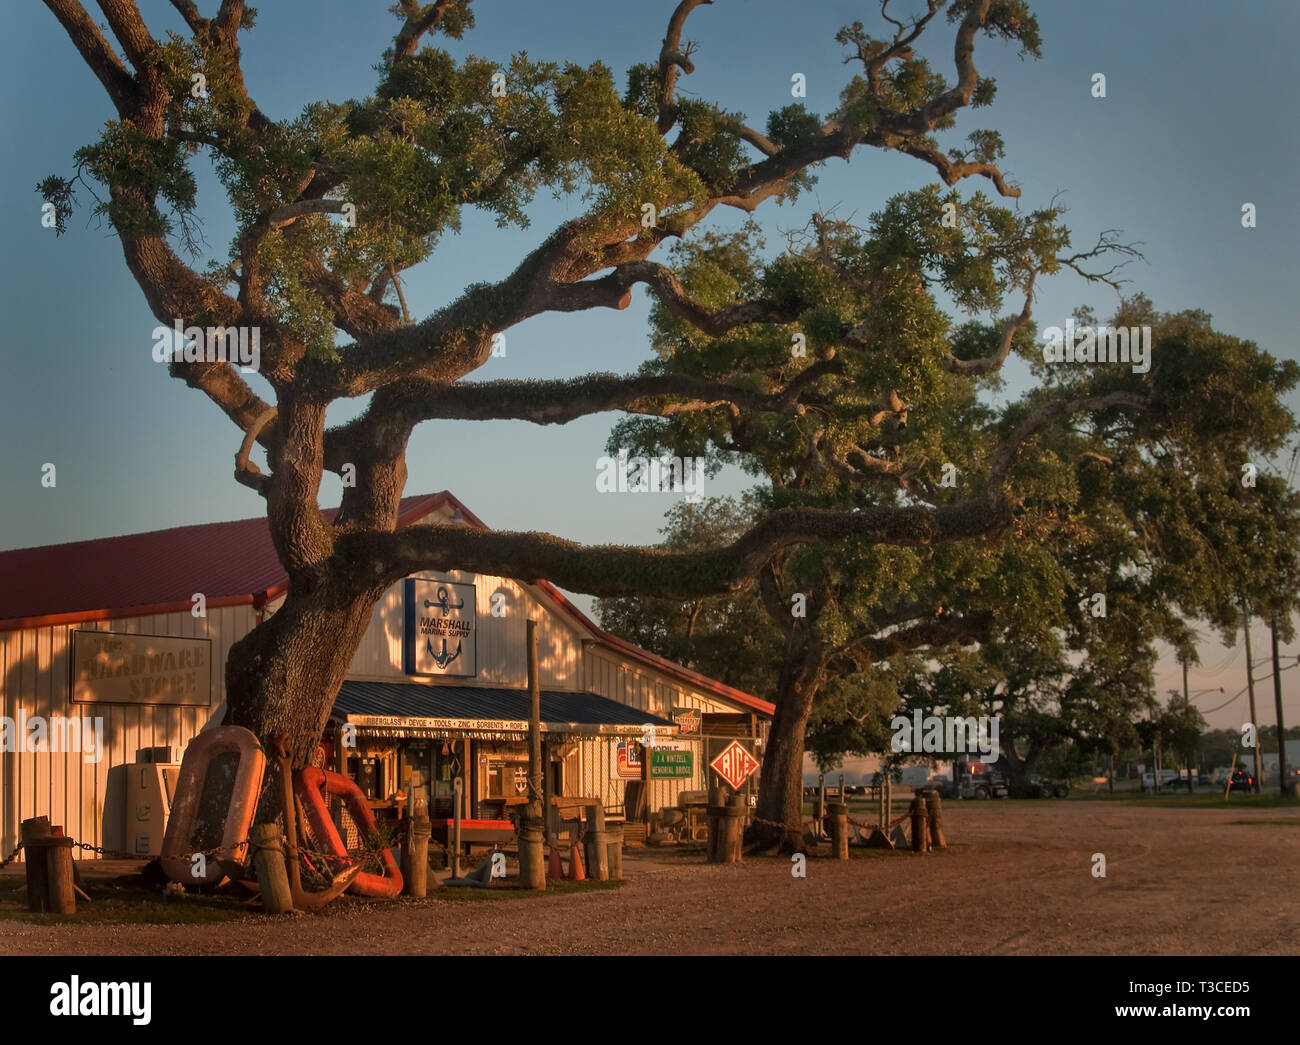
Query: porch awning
{"points": [[403, 709]]}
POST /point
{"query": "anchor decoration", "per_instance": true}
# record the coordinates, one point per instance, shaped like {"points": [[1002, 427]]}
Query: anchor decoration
{"points": [[444, 603], [444, 658]]}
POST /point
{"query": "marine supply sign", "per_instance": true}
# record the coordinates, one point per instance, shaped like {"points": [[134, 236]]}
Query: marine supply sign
{"points": [[440, 628]]}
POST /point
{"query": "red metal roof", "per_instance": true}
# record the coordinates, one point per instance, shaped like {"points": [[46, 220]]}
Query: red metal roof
{"points": [[233, 564]]}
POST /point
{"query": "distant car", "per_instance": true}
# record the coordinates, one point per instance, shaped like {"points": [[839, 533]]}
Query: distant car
{"points": [[1168, 778], [1241, 781]]}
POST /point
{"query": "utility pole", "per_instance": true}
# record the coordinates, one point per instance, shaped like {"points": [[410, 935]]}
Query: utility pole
{"points": [[1254, 718], [1155, 757], [1187, 704], [1282, 776], [532, 869]]}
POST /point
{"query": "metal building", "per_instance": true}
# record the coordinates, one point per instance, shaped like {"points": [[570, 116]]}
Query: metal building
{"points": [[100, 641]]}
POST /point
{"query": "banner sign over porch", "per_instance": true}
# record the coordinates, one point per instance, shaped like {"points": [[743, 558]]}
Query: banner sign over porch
{"points": [[440, 631]]}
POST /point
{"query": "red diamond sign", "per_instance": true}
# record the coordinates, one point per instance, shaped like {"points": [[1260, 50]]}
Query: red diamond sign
{"points": [[734, 764]]}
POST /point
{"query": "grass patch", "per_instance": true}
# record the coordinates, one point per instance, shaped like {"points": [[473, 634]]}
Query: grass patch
{"points": [[1206, 800], [1291, 820], [145, 905], [123, 905], [512, 889]]}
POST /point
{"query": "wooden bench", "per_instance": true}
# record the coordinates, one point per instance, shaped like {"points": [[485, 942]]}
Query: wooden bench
{"points": [[474, 832], [571, 811]]}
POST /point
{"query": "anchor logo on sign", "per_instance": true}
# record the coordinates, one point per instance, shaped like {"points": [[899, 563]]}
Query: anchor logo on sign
{"points": [[444, 658], [444, 602]]}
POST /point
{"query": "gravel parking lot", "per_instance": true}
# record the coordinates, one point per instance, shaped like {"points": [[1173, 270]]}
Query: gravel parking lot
{"points": [[1017, 879]]}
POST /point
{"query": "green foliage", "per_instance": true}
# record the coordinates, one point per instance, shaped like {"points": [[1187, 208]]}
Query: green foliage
{"points": [[793, 126], [151, 166], [1147, 510], [60, 193]]}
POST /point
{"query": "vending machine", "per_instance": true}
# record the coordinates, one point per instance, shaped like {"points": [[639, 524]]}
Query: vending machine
{"points": [[150, 785]]}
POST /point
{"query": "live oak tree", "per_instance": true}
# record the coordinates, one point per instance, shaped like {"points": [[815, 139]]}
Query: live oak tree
{"points": [[439, 135], [1108, 509], [857, 607], [894, 423], [1166, 527]]}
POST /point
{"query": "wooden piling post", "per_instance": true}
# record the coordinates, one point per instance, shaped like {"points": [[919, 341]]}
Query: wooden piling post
{"points": [[532, 860], [726, 830], [614, 848], [597, 844], [272, 876], [919, 826], [838, 814], [58, 875], [32, 832], [713, 819], [937, 841], [819, 808], [458, 789], [415, 856], [533, 823], [737, 810]]}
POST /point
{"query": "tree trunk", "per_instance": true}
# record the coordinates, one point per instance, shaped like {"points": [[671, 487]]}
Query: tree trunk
{"points": [[780, 787], [282, 677], [1017, 769]]}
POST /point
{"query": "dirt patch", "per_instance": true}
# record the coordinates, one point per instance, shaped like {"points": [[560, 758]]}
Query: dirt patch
{"points": [[1017, 879]]}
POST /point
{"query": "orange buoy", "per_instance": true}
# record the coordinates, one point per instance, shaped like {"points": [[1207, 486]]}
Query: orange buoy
{"points": [[311, 785]]}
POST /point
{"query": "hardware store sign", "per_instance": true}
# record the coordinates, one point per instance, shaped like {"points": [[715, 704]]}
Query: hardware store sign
{"points": [[112, 668]]}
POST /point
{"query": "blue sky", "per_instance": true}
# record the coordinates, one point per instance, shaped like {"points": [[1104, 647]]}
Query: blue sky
{"points": [[1195, 123]]}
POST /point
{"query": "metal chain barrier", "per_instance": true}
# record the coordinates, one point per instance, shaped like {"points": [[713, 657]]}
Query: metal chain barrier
{"points": [[11, 857], [116, 854], [852, 820], [777, 823], [877, 827]]}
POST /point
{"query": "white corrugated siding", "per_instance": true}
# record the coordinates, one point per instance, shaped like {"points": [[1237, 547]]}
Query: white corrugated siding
{"points": [[36, 676], [608, 675], [499, 640]]}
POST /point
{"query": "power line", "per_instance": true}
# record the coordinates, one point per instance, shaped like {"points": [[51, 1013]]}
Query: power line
{"points": [[1236, 696], [1233, 654]]}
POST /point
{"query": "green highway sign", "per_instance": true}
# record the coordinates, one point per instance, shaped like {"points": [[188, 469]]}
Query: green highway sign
{"points": [[669, 763]]}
